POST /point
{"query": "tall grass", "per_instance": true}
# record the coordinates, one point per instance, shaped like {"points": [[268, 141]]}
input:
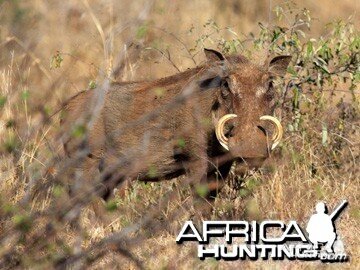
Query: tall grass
{"points": [[51, 50]]}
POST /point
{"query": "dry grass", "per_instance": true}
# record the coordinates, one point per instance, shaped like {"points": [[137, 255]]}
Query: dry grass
{"points": [[91, 35]]}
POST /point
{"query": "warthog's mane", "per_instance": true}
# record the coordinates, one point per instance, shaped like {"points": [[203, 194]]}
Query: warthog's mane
{"points": [[186, 76]]}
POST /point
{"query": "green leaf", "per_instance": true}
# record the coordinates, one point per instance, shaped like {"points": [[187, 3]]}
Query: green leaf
{"points": [[92, 84], [22, 222], [56, 60], [47, 110], [202, 190], [309, 49], [181, 143], [244, 192], [292, 71], [25, 94], [11, 144], [78, 131], [58, 190], [2, 101], [356, 77], [318, 61], [111, 205], [141, 32], [8, 208]]}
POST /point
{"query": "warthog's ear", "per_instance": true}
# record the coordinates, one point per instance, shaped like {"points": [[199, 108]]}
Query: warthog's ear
{"points": [[279, 64], [213, 55]]}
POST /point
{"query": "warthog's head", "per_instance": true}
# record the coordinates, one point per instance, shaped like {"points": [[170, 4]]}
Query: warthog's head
{"points": [[242, 112]]}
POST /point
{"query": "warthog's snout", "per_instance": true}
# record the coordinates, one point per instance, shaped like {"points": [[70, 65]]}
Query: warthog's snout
{"points": [[249, 141]]}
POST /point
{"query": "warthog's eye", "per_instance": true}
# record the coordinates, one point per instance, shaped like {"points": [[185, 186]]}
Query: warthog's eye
{"points": [[269, 95], [271, 84], [225, 91]]}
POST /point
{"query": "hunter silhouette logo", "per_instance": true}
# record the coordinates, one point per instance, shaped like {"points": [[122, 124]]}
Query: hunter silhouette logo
{"points": [[321, 227], [253, 240]]}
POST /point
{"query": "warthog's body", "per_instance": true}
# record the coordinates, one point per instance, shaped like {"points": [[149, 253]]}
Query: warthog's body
{"points": [[164, 128]]}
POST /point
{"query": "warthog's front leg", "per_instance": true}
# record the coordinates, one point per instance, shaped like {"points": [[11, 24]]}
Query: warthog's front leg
{"points": [[113, 175]]}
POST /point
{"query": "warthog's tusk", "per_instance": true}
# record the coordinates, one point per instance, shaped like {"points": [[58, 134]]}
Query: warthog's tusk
{"points": [[276, 138], [219, 130]]}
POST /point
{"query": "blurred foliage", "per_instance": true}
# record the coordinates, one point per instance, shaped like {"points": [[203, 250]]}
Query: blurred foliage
{"points": [[56, 60]]}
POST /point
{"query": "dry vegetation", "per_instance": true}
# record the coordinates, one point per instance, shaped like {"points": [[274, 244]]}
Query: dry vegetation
{"points": [[51, 50]]}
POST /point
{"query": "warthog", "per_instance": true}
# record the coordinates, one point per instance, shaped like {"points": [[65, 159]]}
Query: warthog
{"points": [[182, 124]]}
